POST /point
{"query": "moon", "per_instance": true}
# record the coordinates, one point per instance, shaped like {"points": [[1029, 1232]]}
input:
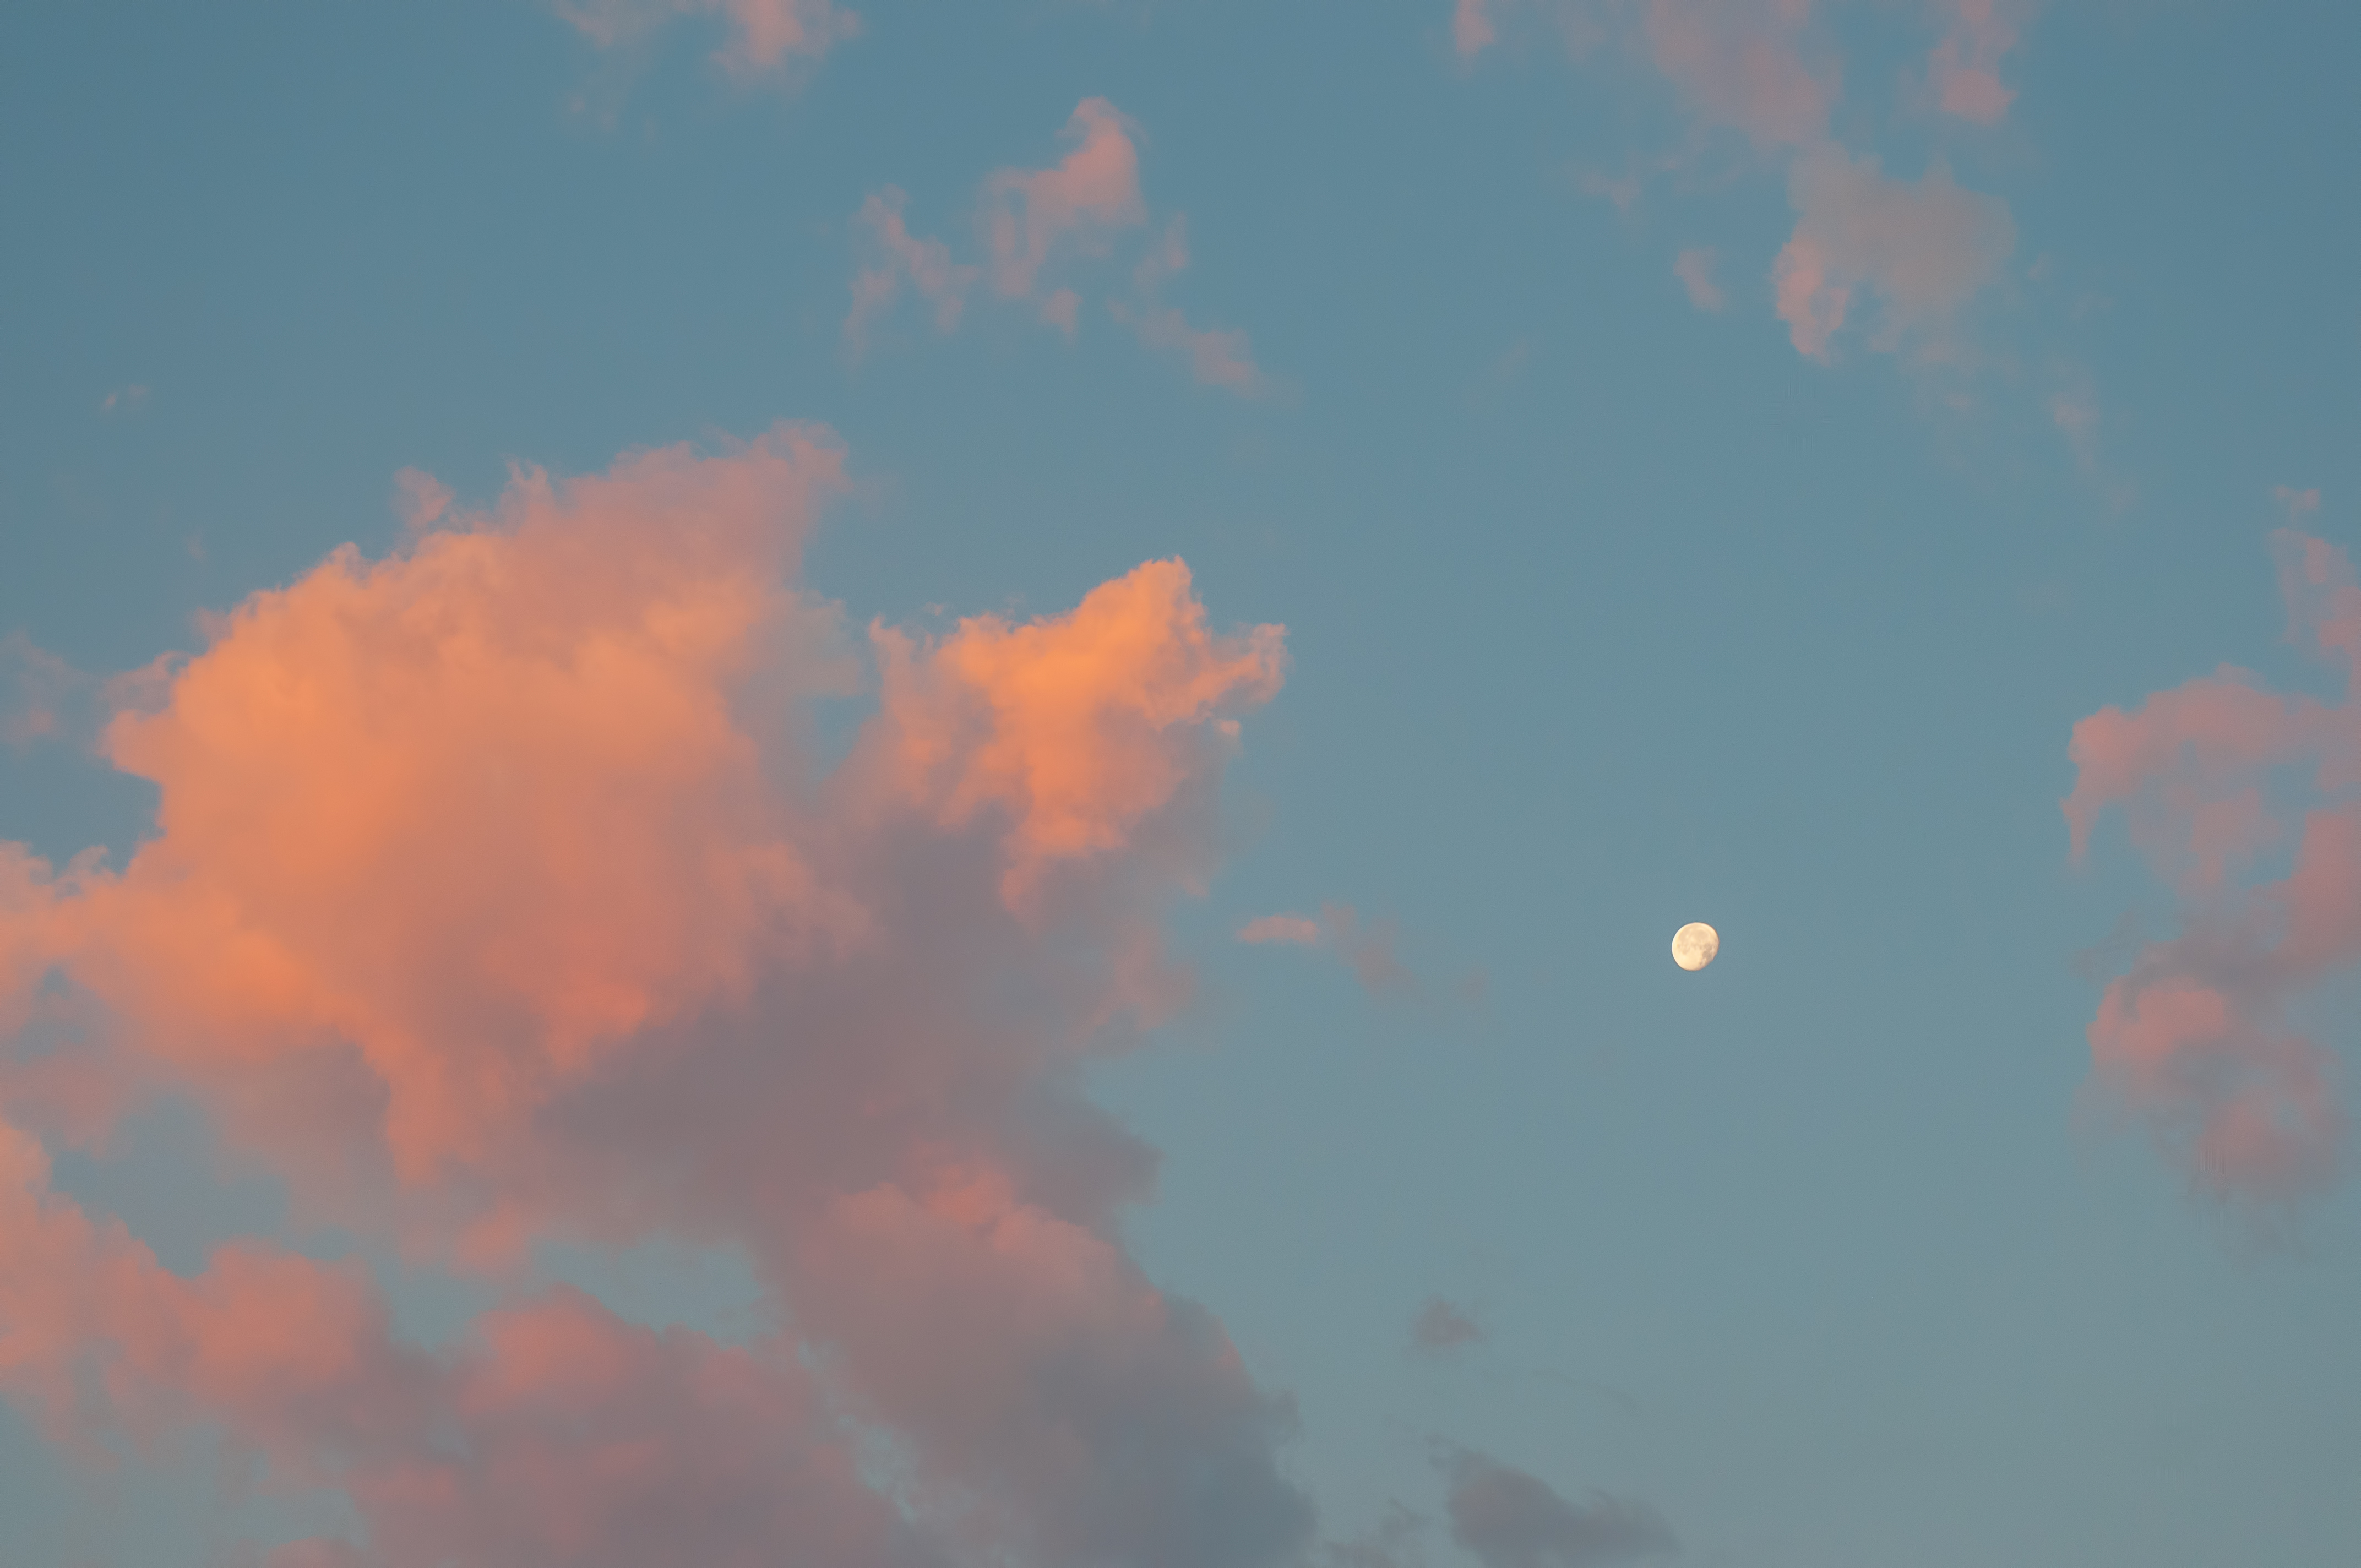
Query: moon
{"points": [[1694, 944]]}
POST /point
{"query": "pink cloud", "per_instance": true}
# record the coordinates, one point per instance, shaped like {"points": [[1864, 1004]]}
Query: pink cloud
{"points": [[419, 498], [1037, 222], [1739, 64], [926, 263], [1285, 928], [764, 35], [1471, 27], [1063, 310], [1367, 950], [1964, 67], [497, 893], [1217, 356], [1093, 192], [1924, 250], [1694, 267], [2198, 1038], [554, 1434], [39, 686], [2297, 502], [124, 399]]}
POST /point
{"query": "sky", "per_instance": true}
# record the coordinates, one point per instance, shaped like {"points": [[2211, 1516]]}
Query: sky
{"points": [[833, 782]]}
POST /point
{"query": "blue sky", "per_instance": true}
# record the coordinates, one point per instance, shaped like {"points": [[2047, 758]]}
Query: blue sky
{"points": [[1605, 611]]}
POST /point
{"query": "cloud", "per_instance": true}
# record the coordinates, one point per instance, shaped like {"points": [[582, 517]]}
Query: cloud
{"points": [[39, 688], [1964, 67], [555, 1433], [2076, 416], [419, 498], [899, 255], [499, 892], [1217, 356], [123, 400], [2199, 1039], [1694, 267], [1924, 250], [1439, 1326], [1739, 64], [1092, 192], [765, 36], [1286, 928], [1471, 27], [1506, 1518], [1369, 951], [1038, 220], [2297, 502]]}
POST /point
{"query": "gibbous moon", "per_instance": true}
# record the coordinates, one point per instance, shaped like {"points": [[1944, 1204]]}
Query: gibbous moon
{"points": [[1694, 944]]}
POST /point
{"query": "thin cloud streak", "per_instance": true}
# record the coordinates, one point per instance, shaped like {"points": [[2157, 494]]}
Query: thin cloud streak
{"points": [[765, 36]]}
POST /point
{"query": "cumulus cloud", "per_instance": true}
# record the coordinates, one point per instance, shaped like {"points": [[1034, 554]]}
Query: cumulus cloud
{"points": [[2201, 1038], [1924, 250], [1506, 1518], [765, 37], [497, 893]]}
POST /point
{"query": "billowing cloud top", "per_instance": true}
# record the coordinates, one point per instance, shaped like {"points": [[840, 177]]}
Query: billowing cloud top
{"points": [[498, 894]]}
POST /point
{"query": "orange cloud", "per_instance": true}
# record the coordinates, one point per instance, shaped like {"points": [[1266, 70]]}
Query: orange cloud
{"points": [[1924, 249], [497, 894], [1074, 727], [2196, 1038]]}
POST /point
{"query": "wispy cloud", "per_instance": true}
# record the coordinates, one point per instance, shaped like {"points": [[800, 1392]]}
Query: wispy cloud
{"points": [[1964, 67], [1694, 267], [1440, 1326], [1367, 950], [1922, 249], [1035, 223], [765, 37], [1506, 1518]]}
